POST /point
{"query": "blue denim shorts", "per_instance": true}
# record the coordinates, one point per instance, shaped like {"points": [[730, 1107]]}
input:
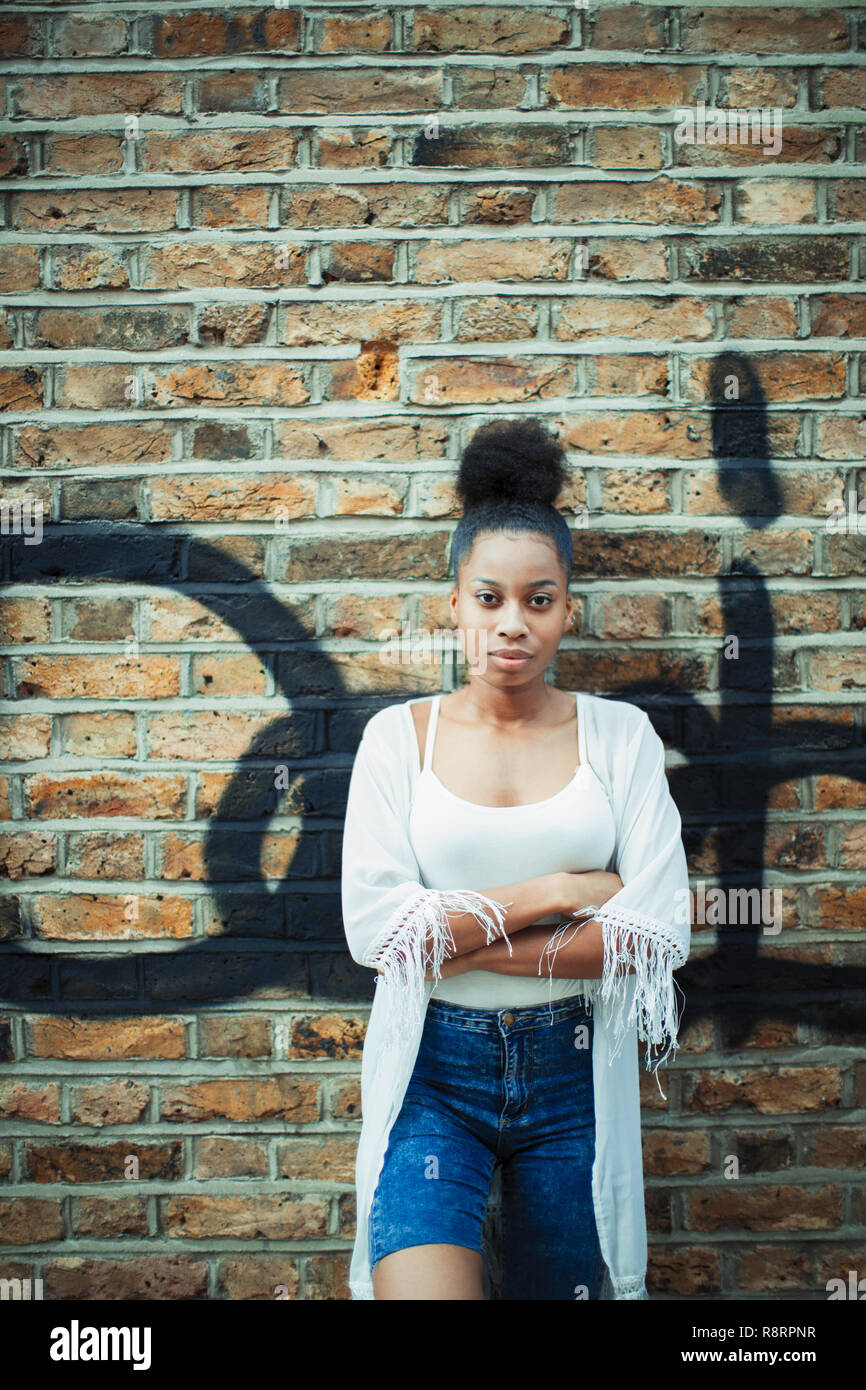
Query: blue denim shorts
{"points": [[512, 1087]]}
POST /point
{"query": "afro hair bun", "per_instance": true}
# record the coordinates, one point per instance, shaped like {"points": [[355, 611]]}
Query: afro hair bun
{"points": [[511, 461]]}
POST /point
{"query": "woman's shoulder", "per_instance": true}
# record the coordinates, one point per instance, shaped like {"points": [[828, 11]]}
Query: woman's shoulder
{"points": [[390, 722], [612, 716]]}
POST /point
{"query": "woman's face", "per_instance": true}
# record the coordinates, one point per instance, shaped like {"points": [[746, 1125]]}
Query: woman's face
{"points": [[513, 595]]}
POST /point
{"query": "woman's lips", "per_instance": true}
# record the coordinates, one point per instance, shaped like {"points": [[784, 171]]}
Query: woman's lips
{"points": [[510, 658]]}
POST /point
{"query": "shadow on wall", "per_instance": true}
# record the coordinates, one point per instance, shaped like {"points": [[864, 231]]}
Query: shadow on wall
{"points": [[288, 940]]}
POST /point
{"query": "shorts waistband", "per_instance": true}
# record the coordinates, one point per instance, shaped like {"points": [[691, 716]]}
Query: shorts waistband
{"points": [[508, 1020]]}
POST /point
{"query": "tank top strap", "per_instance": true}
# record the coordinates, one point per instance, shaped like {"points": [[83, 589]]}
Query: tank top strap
{"points": [[431, 733], [581, 730]]}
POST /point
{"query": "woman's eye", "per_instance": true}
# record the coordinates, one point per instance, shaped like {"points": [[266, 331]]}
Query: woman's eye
{"points": [[486, 594], [547, 600]]}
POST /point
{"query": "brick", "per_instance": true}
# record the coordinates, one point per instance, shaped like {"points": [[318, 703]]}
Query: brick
{"points": [[767, 316], [785, 1208], [411, 320], [353, 33], [22, 36], [102, 1218], [484, 318], [99, 735], [849, 200], [365, 90], [30, 1221], [675, 319], [352, 149], [221, 1157], [640, 27], [278, 1217], [96, 917], [24, 736], [439, 262], [94, 677], [499, 29], [493, 203], [757, 87], [663, 200], [691, 1272], [24, 620], [140, 1278], [771, 1267], [234, 1035], [18, 1101], [783, 376], [122, 1102], [785, 1092], [260, 1277], [842, 87], [764, 30], [83, 1162], [363, 205], [279, 1097], [27, 856], [106, 794], [625, 147], [211, 33], [98, 94], [76, 36], [328, 1159], [226, 497], [92, 154], [371, 376], [104, 1039], [666, 1154], [775, 200], [630, 88], [517, 146], [458, 380], [480, 89], [800, 258], [799, 145], [220, 150], [19, 270]]}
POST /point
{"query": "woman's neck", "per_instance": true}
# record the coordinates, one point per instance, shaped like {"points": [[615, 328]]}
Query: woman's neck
{"points": [[489, 704]]}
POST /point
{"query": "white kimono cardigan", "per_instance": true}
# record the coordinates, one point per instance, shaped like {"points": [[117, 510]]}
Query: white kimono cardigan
{"points": [[395, 924]]}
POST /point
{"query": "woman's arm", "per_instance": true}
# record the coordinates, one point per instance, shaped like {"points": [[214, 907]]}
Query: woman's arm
{"points": [[575, 954], [523, 903], [578, 956]]}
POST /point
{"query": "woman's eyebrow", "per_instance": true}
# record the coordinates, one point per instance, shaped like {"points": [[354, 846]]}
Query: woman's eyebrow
{"points": [[533, 583]]}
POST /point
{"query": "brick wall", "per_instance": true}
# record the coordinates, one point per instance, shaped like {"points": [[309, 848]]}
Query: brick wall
{"points": [[264, 271]]}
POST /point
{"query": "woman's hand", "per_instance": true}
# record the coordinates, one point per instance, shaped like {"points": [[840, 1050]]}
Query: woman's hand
{"points": [[590, 889], [455, 965]]}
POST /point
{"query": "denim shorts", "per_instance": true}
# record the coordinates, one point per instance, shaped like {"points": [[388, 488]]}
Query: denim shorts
{"points": [[512, 1087]]}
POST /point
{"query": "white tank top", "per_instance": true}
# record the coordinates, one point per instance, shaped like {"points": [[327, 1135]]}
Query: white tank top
{"points": [[460, 844]]}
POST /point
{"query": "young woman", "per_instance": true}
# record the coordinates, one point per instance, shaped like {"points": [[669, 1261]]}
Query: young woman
{"points": [[513, 870]]}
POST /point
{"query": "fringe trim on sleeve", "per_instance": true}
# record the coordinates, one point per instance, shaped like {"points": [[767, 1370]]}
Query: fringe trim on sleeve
{"points": [[417, 938], [657, 952], [630, 1288]]}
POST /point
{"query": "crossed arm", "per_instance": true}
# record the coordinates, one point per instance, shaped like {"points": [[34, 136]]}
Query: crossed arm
{"points": [[570, 950], [576, 954], [579, 956]]}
